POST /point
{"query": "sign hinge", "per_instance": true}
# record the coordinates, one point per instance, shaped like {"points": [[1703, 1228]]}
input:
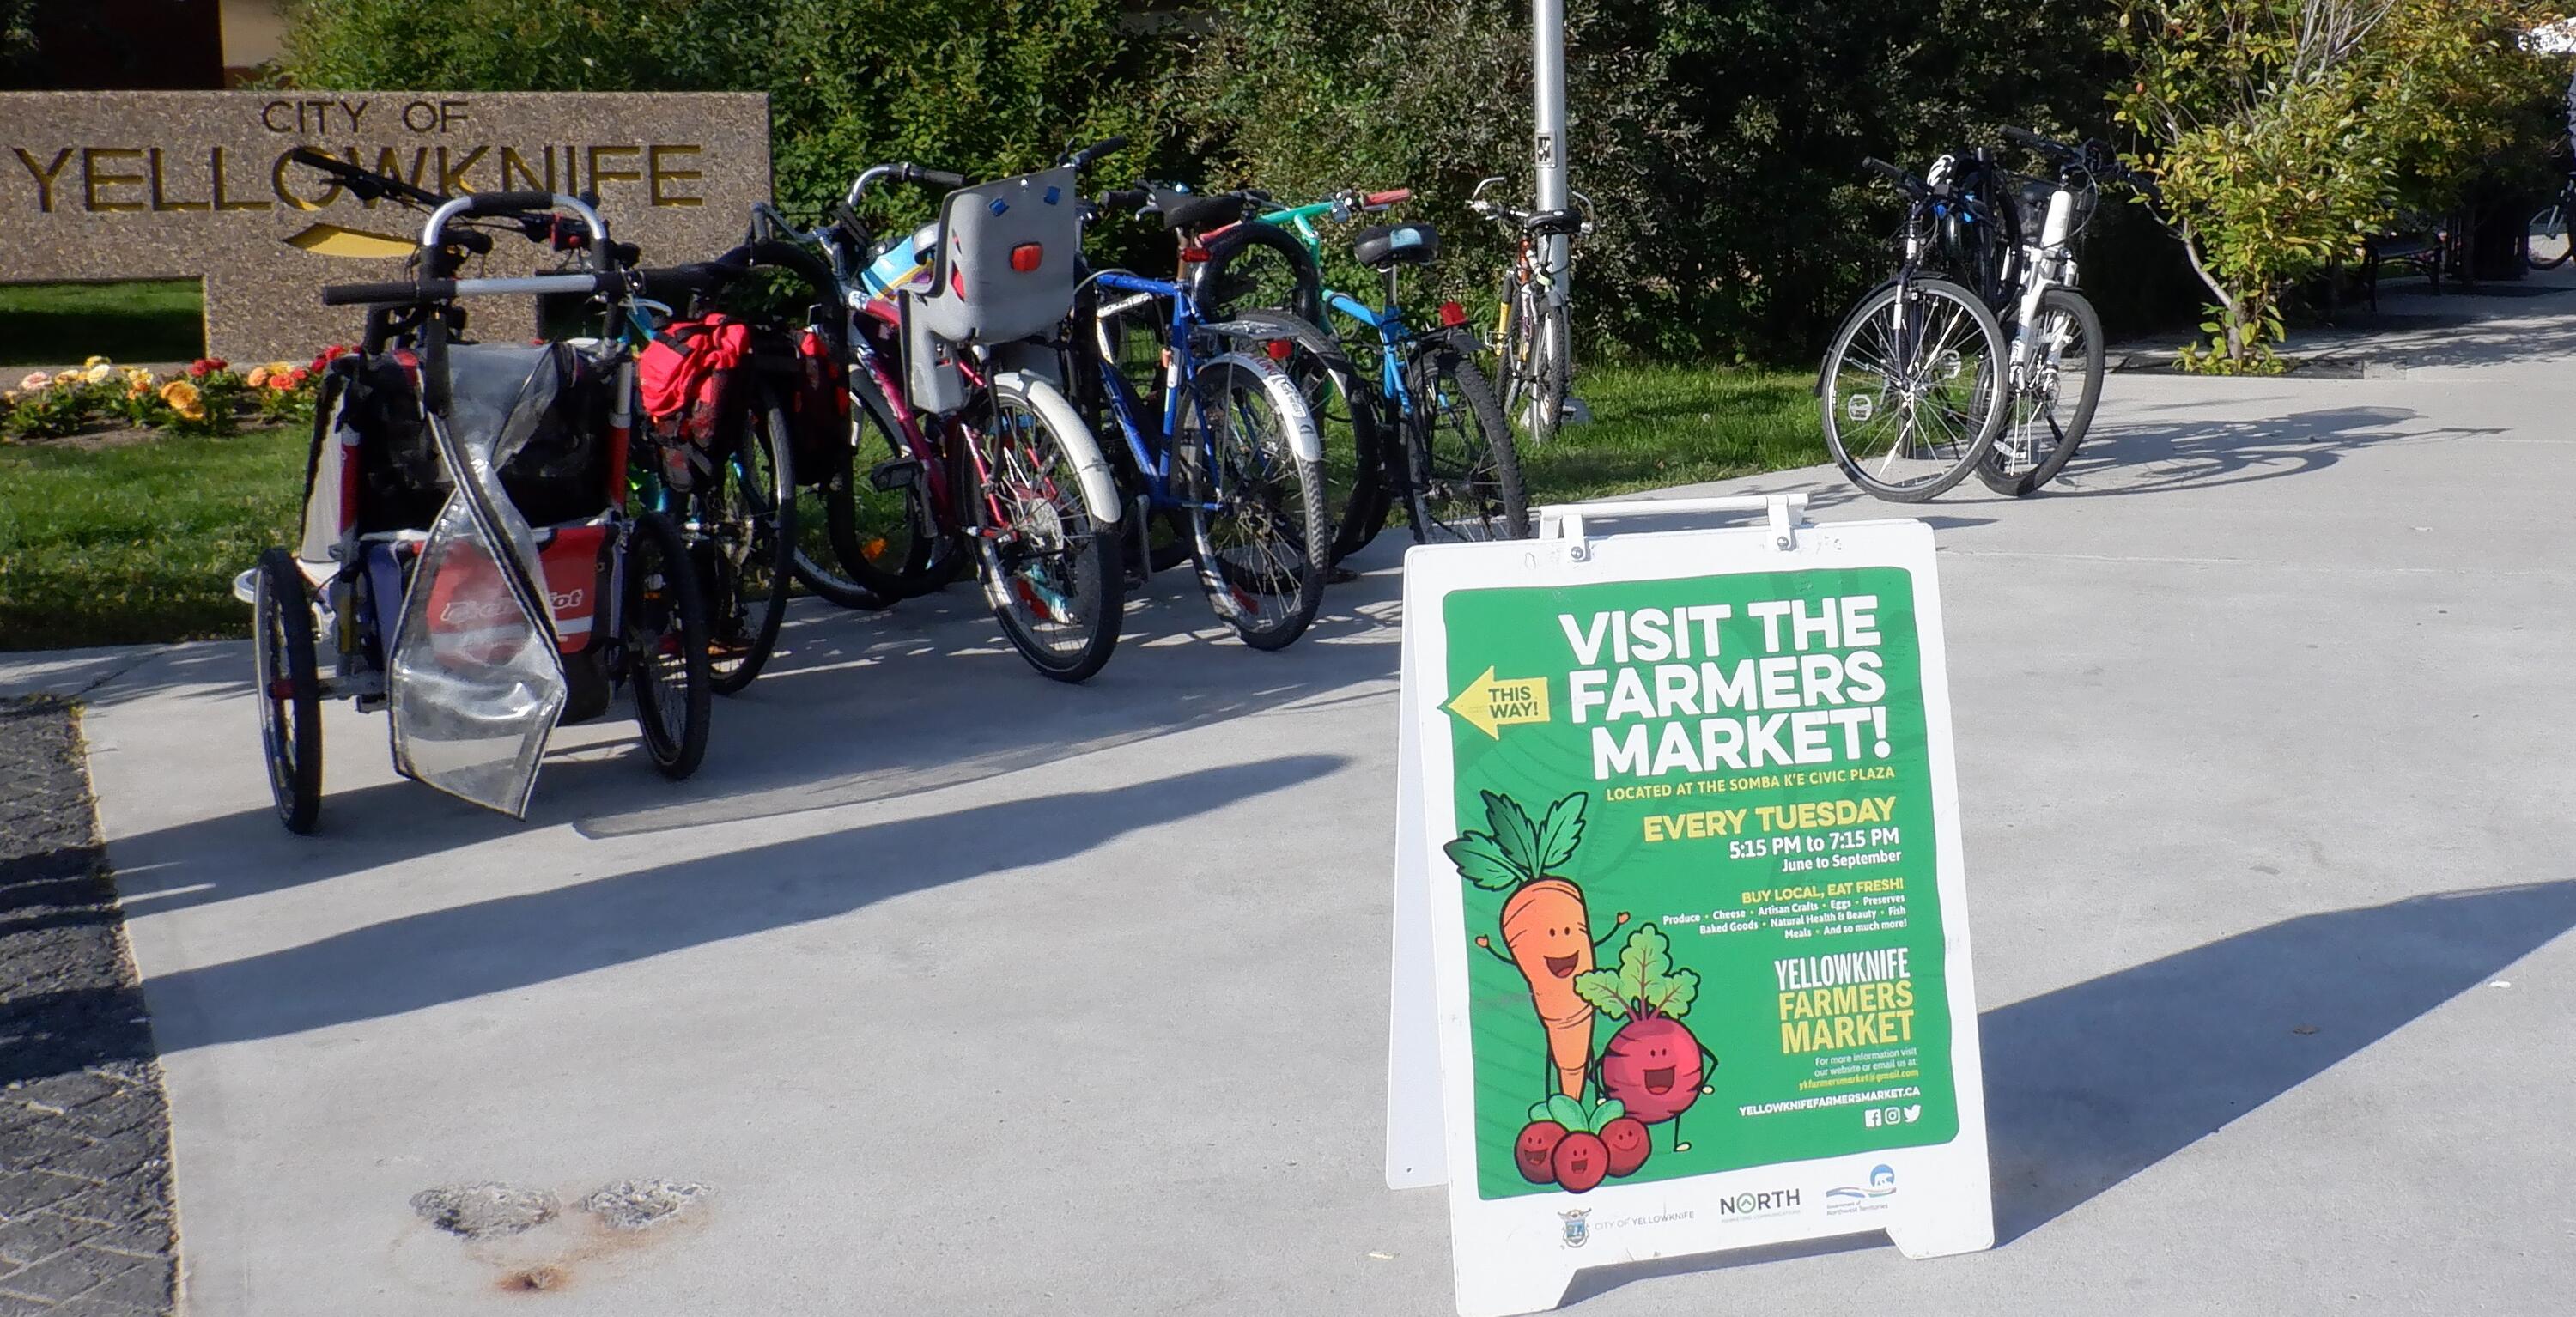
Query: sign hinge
{"points": [[1565, 521]]}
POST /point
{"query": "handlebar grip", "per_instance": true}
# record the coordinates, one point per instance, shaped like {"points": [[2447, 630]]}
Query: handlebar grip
{"points": [[1874, 163], [1387, 198], [701, 277], [2030, 139], [426, 290], [1096, 150], [1127, 199], [505, 203], [943, 178]]}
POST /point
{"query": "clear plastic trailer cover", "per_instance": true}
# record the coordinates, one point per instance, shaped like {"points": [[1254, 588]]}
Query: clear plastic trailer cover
{"points": [[475, 680]]}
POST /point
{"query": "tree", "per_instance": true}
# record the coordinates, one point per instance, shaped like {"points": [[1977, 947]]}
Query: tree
{"points": [[2283, 132]]}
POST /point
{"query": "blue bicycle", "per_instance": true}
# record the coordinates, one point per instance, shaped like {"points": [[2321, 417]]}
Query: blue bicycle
{"points": [[1454, 465], [1219, 442]]}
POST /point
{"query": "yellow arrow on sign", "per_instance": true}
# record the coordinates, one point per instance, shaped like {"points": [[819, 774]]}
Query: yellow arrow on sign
{"points": [[1489, 705]]}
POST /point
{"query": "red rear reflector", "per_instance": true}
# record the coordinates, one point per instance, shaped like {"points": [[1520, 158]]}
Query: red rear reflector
{"points": [[1278, 349], [1452, 315], [1026, 256], [1194, 255]]}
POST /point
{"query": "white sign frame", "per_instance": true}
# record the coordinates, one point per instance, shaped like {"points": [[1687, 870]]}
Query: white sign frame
{"points": [[1518, 1255]]}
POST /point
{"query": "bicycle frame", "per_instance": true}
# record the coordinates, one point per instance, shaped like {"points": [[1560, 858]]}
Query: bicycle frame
{"points": [[1154, 451], [1395, 335]]}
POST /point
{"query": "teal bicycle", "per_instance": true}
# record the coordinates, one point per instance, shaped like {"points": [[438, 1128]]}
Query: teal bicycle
{"points": [[1452, 464]]}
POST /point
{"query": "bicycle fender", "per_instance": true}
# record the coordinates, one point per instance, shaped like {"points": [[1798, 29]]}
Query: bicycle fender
{"points": [[1099, 488], [1302, 438]]}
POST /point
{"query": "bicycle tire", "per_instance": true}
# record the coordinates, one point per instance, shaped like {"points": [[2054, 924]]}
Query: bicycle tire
{"points": [[1999, 471], [1969, 393], [736, 616], [895, 564], [1476, 492], [1551, 369], [1268, 585], [1345, 409], [1081, 586], [662, 627], [2551, 221], [289, 689], [1215, 287]]}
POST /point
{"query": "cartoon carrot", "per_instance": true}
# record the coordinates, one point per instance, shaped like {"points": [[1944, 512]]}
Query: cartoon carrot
{"points": [[1544, 923]]}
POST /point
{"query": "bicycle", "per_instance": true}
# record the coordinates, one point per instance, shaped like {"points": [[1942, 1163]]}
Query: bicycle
{"points": [[466, 544], [716, 456], [1914, 381], [2547, 247], [2054, 327], [1532, 344], [1228, 454], [1456, 467]]}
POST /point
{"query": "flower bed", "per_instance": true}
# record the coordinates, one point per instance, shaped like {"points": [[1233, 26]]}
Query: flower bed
{"points": [[209, 397]]}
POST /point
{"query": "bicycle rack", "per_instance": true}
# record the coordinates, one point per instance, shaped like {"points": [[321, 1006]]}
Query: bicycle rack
{"points": [[1565, 521]]}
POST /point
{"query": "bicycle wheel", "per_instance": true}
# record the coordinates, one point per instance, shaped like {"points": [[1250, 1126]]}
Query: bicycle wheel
{"points": [[1464, 469], [1913, 389], [745, 541], [1344, 407], [1257, 266], [1051, 569], [662, 629], [889, 535], [290, 700], [2054, 405], [1255, 508], [2548, 247], [1551, 350]]}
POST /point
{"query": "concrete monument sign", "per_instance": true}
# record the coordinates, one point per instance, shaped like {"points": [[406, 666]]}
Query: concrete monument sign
{"points": [[140, 185]]}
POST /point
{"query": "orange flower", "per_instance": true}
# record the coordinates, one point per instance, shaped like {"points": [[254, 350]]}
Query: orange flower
{"points": [[258, 377], [184, 399]]}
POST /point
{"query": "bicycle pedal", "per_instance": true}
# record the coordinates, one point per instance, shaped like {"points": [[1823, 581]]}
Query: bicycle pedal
{"points": [[899, 473]]}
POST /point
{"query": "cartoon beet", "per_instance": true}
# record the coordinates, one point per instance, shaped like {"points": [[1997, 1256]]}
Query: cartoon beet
{"points": [[1577, 1137], [1545, 927], [1581, 1162], [1534, 1151], [1653, 1065], [1629, 1145]]}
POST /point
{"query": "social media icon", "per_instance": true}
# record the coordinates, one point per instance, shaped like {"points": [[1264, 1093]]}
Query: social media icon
{"points": [[1914, 1113], [1871, 1117]]}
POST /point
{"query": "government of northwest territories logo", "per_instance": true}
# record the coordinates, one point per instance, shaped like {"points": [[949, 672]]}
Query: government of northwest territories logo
{"points": [[1852, 1198]]}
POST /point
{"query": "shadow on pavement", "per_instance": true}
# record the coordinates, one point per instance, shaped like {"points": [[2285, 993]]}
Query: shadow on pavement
{"points": [[511, 942], [2092, 1084], [2125, 459]]}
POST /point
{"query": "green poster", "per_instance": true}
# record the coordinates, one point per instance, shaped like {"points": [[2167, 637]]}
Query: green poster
{"points": [[1696, 848]]}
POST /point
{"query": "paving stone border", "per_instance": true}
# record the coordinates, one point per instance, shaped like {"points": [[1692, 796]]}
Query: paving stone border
{"points": [[86, 1227]]}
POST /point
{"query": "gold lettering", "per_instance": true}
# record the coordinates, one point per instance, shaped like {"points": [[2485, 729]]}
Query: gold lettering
{"points": [[600, 177], [657, 172], [277, 183], [268, 116], [160, 203], [513, 162], [451, 178], [215, 170], [44, 176], [92, 179]]}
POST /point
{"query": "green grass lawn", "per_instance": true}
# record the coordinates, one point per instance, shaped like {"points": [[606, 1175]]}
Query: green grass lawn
{"points": [[138, 321], [1661, 425], [140, 542]]}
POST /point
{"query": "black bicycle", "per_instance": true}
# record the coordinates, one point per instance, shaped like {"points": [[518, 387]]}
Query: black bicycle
{"points": [[1915, 383]]}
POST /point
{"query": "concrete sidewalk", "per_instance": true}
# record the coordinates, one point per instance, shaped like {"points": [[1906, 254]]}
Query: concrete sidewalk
{"points": [[969, 993]]}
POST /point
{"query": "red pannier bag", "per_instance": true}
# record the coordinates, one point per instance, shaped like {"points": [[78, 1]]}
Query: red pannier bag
{"points": [[688, 377], [818, 411]]}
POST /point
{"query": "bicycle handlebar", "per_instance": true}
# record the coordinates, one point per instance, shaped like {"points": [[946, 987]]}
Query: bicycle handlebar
{"points": [[1083, 157], [1126, 198], [1903, 178], [1382, 200], [700, 277], [367, 183]]}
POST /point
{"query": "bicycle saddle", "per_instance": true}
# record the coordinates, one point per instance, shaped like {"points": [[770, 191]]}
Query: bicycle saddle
{"points": [[1381, 245], [1197, 210], [1549, 223]]}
